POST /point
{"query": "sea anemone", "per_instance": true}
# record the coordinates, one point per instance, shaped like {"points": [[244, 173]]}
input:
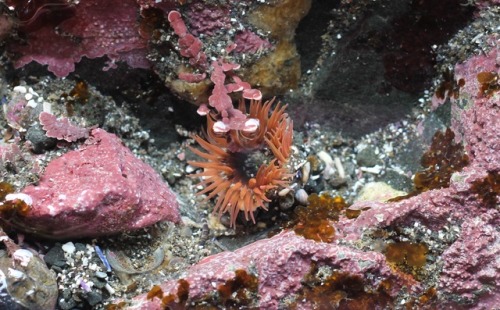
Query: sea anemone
{"points": [[241, 167]]}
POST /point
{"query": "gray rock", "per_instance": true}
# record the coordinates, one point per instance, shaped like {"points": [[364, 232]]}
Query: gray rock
{"points": [[66, 304], [367, 157], [55, 256], [93, 298], [39, 141]]}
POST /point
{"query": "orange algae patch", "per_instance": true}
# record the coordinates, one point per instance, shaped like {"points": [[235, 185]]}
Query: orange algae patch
{"points": [[11, 207], [171, 301], [490, 83], [14, 207], [352, 214], [156, 291], [315, 221], [341, 290], [444, 158], [406, 256], [119, 306], [488, 189], [239, 290], [428, 296], [5, 189], [80, 92], [177, 301], [425, 301], [151, 20], [448, 88]]}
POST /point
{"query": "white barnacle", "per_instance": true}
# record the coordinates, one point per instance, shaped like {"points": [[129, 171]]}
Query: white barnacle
{"points": [[21, 196], [22, 256]]}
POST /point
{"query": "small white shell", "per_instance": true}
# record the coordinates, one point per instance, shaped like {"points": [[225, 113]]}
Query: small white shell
{"points": [[301, 197], [21, 89], [21, 196], [306, 172], [220, 126], [326, 158], [15, 274], [283, 192], [69, 247], [22, 256], [340, 167]]}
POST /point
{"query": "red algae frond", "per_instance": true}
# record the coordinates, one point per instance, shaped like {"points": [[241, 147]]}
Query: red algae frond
{"points": [[241, 167]]}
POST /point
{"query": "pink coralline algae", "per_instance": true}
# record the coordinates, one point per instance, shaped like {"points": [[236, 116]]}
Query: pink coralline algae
{"points": [[231, 118], [100, 189], [208, 19], [61, 129], [97, 29], [281, 263], [471, 264], [248, 42], [189, 45]]}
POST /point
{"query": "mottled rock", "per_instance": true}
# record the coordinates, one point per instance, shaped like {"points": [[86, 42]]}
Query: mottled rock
{"points": [[39, 141], [25, 280], [66, 304], [100, 189]]}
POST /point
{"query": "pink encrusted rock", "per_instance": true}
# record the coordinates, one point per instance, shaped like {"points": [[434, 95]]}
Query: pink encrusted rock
{"points": [[97, 29], [100, 189], [470, 275], [280, 264], [475, 117], [471, 264]]}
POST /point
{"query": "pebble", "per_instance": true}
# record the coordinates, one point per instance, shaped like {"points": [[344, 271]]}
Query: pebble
{"points": [[100, 274], [301, 196], [39, 141], [55, 257], [93, 298], [80, 247], [66, 304], [367, 157], [21, 89], [69, 247]]}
